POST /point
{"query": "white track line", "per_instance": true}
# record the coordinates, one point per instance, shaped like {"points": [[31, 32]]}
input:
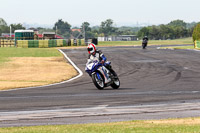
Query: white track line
{"points": [[179, 49], [79, 71]]}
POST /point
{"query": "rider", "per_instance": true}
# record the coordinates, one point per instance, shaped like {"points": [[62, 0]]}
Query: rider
{"points": [[95, 54], [144, 42]]}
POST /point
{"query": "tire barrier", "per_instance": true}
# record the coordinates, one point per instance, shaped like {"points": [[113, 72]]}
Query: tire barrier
{"points": [[22, 43], [7, 42], [72, 42], [49, 43], [43, 43], [52, 43], [197, 44], [33, 43], [59, 43]]}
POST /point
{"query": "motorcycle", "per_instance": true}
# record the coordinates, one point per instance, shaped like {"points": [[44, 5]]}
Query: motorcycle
{"points": [[101, 76], [144, 43]]}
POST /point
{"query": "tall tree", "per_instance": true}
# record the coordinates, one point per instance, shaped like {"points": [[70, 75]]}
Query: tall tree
{"points": [[143, 32], [85, 26], [166, 32], [178, 23], [179, 27], [17, 27], [196, 33], [4, 29], [107, 27], [154, 32], [2, 22], [3, 26], [62, 27], [87, 30]]}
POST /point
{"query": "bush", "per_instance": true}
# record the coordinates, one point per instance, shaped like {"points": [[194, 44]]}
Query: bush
{"points": [[196, 33]]}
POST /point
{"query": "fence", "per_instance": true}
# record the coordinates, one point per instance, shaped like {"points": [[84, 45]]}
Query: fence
{"points": [[30, 38], [7, 42], [49, 43]]}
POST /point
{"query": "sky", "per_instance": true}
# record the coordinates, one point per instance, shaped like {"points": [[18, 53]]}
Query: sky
{"points": [[122, 12]]}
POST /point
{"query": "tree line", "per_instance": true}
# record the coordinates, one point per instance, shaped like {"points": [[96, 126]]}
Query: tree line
{"points": [[173, 30], [105, 29], [4, 28]]}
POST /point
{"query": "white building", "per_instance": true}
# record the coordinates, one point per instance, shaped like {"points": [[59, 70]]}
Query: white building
{"points": [[119, 38]]}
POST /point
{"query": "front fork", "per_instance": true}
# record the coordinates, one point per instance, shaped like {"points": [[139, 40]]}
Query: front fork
{"points": [[98, 76]]}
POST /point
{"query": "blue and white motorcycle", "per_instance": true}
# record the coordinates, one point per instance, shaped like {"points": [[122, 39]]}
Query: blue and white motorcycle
{"points": [[101, 76]]}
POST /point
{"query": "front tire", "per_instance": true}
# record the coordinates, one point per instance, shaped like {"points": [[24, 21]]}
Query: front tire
{"points": [[99, 83], [116, 82], [144, 45]]}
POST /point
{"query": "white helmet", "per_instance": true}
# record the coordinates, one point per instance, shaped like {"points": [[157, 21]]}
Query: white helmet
{"points": [[91, 48]]}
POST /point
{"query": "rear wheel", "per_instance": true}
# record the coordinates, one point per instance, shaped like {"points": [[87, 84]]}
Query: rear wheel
{"points": [[98, 80]]}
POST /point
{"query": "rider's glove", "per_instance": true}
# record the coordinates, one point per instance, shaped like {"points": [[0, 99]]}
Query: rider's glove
{"points": [[102, 62]]}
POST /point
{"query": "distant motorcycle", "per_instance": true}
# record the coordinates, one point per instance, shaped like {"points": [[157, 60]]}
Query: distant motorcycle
{"points": [[144, 43], [101, 76]]}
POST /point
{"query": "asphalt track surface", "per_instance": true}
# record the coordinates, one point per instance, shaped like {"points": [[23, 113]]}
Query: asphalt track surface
{"points": [[155, 84]]}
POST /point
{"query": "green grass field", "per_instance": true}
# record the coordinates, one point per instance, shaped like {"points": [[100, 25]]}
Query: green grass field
{"points": [[189, 125], [151, 42], [7, 52]]}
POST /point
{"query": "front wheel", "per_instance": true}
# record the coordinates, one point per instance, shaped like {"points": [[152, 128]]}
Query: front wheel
{"points": [[98, 81], [116, 82], [144, 45]]}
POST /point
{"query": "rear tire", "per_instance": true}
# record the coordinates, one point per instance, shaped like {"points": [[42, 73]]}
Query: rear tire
{"points": [[99, 83]]}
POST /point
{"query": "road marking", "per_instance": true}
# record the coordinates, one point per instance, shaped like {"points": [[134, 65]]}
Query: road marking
{"points": [[99, 110], [165, 48], [102, 94], [146, 61]]}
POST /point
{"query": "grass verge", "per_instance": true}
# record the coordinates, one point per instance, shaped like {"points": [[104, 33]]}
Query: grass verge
{"points": [[187, 125], [7, 52], [151, 42], [22, 67]]}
